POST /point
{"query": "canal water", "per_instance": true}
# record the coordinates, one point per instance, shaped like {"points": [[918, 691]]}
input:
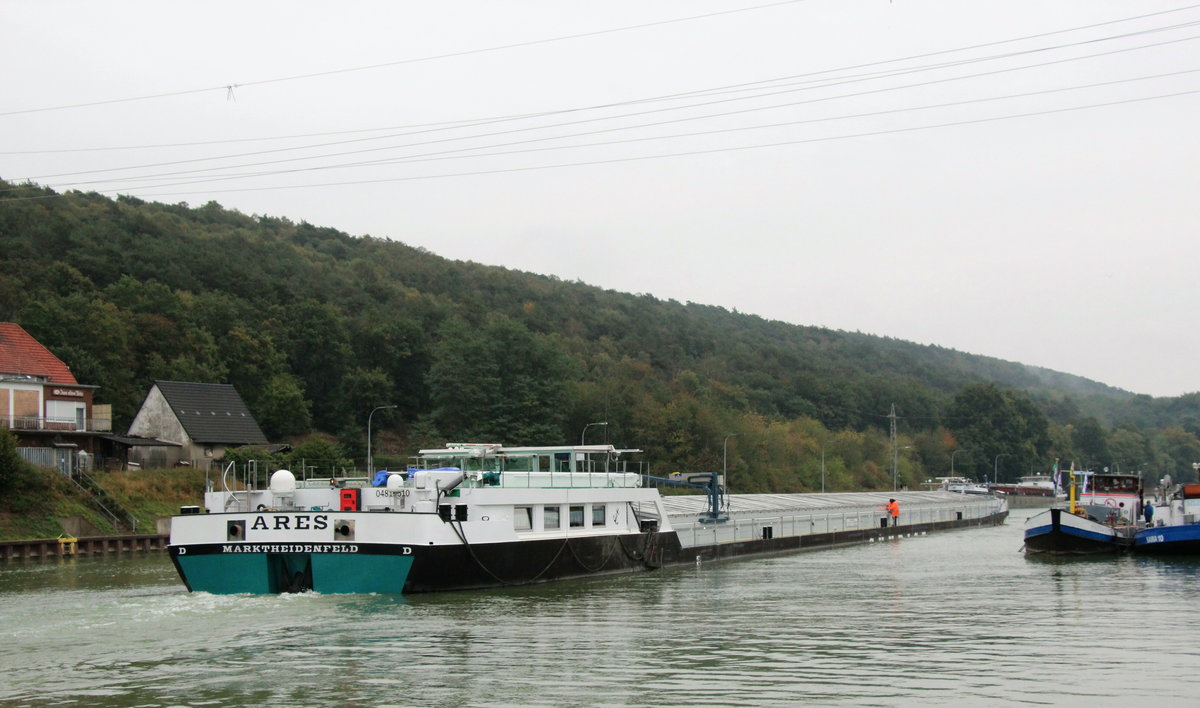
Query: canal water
{"points": [[957, 618]]}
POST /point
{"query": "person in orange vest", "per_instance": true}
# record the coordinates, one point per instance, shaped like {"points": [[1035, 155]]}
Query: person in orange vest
{"points": [[893, 508]]}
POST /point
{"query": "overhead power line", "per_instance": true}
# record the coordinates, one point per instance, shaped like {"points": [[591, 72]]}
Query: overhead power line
{"points": [[472, 152], [461, 122], [671, 121], [228, 88], [713, 96], [711, 151]]}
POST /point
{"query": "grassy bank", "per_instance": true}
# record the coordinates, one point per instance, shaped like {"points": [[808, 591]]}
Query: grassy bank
{"points": [[149, 495], [38, 500]]}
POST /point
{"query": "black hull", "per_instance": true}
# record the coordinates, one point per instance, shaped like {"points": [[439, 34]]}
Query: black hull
{"points": [[477, 566], [1067, 545], [1074, 538]]}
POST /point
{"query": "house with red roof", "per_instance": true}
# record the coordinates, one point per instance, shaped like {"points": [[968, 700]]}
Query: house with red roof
{"points": [[52, 414]]}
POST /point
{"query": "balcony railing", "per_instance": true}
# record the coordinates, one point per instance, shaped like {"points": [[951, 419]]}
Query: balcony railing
{"points": [[30, 422]]}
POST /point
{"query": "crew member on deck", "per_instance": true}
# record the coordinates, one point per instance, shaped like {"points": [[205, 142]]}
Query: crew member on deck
{"points": [[893, 508]]}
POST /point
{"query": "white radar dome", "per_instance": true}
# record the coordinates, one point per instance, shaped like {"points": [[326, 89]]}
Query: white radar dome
{"points": [[283, 482], [395, 481]]}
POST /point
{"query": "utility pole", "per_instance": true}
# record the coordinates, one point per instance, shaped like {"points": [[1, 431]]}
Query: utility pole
{"points": [[895, 450]]}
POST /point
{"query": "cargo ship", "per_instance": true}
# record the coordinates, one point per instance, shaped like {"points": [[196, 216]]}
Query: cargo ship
{"points": [[475, 515]]}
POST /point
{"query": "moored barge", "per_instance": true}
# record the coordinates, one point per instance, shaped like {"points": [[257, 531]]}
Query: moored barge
{"points": [[1101, 516]]}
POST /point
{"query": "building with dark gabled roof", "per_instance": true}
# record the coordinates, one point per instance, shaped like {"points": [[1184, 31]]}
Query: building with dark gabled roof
{"points": [[204, 419]]}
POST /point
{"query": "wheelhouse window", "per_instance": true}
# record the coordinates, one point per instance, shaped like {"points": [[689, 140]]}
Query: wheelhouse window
{"points": [[577, 517], [1111, 485], [522, 518], [598, 514], [550, 517]]}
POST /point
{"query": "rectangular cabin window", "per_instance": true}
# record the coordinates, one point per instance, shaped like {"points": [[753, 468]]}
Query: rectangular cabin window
{"points": [[522, 518], [577, 517], [1125, 485], [597, 514], [550, 517]]}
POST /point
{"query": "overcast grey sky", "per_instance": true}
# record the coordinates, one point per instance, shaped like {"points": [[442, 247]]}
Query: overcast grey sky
{"points": [[1017, 179]]}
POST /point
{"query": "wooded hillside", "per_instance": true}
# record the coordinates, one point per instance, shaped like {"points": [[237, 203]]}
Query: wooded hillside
{"points": [[315, 328]]}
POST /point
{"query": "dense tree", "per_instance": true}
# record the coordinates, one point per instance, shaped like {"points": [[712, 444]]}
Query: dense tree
{"points": [[317, 346], [997, 426], [94, 337], [281, 408], [1178, 451], [1090, 441], [498, 382], [399, 350], [1129, 448]]}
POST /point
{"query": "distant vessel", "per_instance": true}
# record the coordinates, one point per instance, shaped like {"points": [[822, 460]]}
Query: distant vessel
{"points": [[962, 485], [1101, 516], [482, 515], [1175, 527], [1036, 485]]}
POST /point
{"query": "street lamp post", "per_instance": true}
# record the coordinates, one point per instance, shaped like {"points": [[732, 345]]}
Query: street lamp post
{"points": [[952, 460], [371, 460], [823, 444], [584, 433], [725, 461], [896, 465], [996, 467]]}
